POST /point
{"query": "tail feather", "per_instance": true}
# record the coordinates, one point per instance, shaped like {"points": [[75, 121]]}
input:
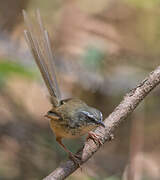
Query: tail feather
{"points": [[40, 47]]}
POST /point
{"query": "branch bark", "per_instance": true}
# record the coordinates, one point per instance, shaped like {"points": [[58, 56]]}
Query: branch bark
{"points": [[121, 112]]}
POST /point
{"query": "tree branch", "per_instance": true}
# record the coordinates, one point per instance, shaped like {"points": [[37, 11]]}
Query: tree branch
{"points": [[121, 112]]}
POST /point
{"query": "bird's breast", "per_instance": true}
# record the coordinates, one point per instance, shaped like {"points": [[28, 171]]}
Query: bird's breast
{"points": [[64, 131]]}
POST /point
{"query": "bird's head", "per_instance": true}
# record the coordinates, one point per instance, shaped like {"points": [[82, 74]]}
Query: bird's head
{"points": [[92, 116]]}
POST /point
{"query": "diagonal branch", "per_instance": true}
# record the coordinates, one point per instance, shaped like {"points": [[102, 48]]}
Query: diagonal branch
{"points": [[121, 112]]}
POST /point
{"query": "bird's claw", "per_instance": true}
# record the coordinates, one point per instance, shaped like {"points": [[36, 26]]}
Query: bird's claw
{"points": [[95, 137], [76, 159]]}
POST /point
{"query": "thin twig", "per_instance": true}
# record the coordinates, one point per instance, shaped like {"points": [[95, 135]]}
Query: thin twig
{"points": [[121, 112]]}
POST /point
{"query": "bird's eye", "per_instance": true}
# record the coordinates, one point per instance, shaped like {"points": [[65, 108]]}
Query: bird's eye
{"points": [[91, 119]]}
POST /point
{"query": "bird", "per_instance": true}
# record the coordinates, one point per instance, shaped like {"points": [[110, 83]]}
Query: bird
{"points": [[69, 118]]}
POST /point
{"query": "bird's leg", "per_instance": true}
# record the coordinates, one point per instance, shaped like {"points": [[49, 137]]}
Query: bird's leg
{"points": [[95, 137], [74, 157]]}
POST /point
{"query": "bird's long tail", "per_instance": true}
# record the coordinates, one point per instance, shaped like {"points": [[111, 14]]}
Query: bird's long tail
{"points": [[40, 47]]}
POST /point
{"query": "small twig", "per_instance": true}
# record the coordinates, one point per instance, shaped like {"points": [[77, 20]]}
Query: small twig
{"points": [[121, 112]]}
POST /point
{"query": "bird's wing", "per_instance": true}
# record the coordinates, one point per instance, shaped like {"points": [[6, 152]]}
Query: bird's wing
{"points": [[40, 47]]}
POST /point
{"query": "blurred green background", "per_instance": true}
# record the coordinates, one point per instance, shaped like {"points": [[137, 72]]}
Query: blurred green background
{"points": [[102, 50]]}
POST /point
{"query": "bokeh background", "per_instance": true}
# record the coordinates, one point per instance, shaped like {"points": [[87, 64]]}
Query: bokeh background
{"points": [[102, 49]]}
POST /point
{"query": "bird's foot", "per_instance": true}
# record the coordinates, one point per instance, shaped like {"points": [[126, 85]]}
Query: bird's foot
{"points": [[76, 159], [95, 137]]}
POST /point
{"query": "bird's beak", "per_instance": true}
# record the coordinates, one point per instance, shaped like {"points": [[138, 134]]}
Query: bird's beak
{"points": [[52, 115], [48, 115], [101, 123]]}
